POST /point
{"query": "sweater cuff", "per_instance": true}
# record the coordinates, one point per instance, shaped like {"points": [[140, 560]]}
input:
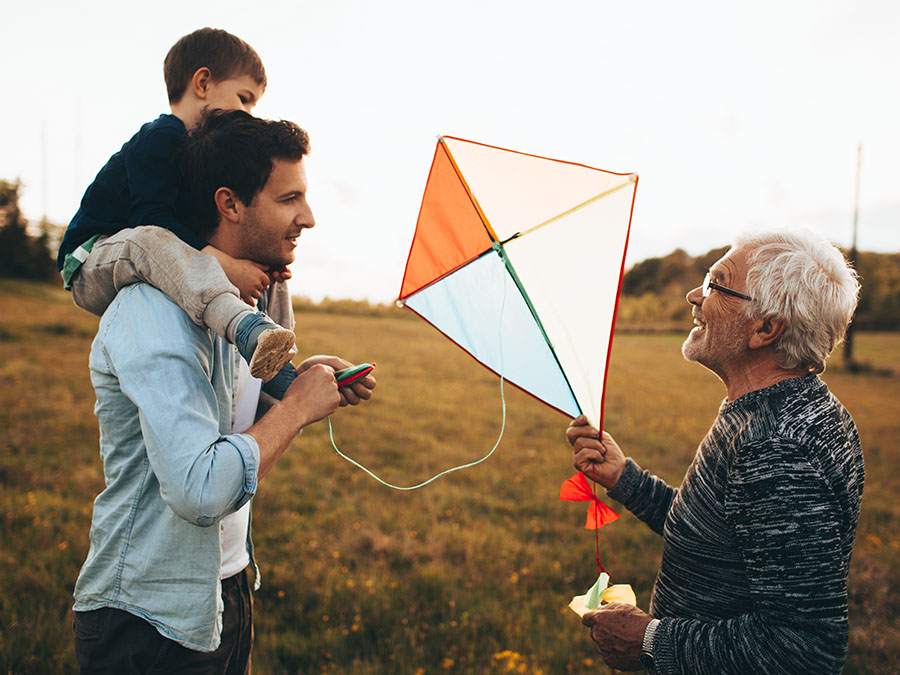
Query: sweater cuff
{"points": [[628, 482], [664, 656]]}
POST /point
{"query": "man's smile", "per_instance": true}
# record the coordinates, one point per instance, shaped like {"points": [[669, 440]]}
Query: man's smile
{"points": [[698, 322]]}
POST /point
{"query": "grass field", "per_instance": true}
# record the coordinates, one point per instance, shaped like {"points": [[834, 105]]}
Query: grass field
{"points": [[471, 574]]}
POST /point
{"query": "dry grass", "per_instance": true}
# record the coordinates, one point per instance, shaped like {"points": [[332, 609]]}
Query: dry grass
{"points": [[470, 574]]}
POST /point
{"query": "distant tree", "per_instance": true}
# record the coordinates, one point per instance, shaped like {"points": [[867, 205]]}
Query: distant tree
{"points": [[879, 302], [676, 272], [22, 255], [653, 290]]}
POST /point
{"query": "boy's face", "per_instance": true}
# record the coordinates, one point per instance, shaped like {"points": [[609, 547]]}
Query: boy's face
{"points": [[237, 93]]}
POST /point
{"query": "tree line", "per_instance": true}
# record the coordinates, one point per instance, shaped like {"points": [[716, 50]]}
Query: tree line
{"points": [[653, 290], [23, 254]]}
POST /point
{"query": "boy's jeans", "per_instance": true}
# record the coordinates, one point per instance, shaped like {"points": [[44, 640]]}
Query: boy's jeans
{"points": [[194, 280]]}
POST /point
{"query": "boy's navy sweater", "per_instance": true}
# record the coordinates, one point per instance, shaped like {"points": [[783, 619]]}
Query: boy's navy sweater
{"points": [[137, 186]]}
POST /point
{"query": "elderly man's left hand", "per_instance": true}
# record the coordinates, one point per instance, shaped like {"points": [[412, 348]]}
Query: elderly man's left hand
{"points": [[361, 390], [618, 630]]}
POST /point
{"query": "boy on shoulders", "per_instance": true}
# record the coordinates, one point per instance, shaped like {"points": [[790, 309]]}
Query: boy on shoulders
{"points": [[129, 227]]}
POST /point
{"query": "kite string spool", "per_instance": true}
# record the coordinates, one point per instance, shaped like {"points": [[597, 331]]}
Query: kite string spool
{"points": [[462, 466]]}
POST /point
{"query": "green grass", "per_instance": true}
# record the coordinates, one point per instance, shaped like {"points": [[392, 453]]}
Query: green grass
{"points": [[471, 574]]}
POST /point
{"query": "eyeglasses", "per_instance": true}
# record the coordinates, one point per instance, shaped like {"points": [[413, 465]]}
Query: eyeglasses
{"points": [[709, 286]]}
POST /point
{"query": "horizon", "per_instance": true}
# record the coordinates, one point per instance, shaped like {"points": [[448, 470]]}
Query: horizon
{"points": [[734, 120]]}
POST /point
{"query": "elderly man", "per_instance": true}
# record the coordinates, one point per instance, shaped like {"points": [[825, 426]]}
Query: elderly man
{"points": [[757, 540], [164, 587]]}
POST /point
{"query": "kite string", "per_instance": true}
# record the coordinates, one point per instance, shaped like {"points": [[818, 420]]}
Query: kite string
{"points": [[462, 466], [600, 568]]}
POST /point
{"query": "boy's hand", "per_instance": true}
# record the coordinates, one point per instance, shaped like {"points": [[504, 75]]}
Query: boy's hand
{"points": [[361, 390], [282, 273], [250, 278]]}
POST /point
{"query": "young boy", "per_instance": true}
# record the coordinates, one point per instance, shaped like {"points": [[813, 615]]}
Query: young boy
{"points": [[128, 228]]}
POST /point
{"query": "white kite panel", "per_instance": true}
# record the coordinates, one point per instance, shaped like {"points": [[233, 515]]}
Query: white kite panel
{"points": [[517, 191], [571, 271]]}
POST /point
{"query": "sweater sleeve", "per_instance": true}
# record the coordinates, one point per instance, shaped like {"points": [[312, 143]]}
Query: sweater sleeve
{"points": [[153, 184], [646, 496], [786, 522]]}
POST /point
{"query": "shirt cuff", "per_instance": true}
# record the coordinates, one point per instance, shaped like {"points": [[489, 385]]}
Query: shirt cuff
{"points": [[248, 448]]}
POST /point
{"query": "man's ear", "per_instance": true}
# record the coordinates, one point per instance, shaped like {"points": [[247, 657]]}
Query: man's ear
{"points": [[227, 204], [766, 332], [200, 82]]}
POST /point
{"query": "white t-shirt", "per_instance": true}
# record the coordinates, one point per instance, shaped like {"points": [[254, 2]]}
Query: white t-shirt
{"points": [[233, 532]]}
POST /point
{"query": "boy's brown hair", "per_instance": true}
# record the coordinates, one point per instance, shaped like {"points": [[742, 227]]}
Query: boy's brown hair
{"points": [[225, 55]]}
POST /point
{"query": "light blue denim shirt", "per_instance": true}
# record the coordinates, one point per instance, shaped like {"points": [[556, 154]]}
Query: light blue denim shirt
{"points": [[173, 470]]}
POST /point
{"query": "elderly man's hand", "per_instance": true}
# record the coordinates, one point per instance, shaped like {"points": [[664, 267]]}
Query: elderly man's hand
{"points": [[596, 455], [361, 390], [618, 630]]}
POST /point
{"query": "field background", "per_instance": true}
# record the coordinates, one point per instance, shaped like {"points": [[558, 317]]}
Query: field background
{"points": [[471, 574]]}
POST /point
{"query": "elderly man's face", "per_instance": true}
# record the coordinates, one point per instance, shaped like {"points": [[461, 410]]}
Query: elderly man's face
{"points": [[719, 337], [271, 225]]}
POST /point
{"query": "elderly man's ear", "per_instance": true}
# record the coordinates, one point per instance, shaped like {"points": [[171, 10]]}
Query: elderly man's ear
{"points": [[766, 332]]}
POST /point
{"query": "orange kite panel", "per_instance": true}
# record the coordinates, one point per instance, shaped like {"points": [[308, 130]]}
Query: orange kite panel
{"points": [[449, 232]]}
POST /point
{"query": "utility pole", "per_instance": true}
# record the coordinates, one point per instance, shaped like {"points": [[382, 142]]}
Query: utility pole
{"points": [[44, 170], [848, 339]]}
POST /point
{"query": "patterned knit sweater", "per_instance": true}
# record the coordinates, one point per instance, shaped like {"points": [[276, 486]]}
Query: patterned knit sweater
{"points": [[757, 540]]}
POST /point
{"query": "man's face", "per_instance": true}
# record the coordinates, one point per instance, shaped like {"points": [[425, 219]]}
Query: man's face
{"points": [[719, 338], [236, 93], [271, 225]]}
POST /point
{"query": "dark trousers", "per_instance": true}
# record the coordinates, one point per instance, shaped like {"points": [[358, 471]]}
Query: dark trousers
{"points": [[114, 641]]}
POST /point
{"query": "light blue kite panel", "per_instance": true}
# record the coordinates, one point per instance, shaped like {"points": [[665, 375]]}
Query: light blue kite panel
{"points": [[466, 306]]}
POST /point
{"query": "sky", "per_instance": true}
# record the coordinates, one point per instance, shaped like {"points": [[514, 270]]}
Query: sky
{"points": [[737, 116]]}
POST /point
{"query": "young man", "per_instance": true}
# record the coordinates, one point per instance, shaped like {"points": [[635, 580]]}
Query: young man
{"points": [[758, 537], [129, 228], [164, 583]]}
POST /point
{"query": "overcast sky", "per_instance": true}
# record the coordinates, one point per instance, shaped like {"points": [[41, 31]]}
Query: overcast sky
{"points": [[737, 116]]}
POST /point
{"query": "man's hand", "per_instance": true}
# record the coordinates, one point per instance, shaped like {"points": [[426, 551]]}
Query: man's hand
{"points": [[250, 278], [312, 396], [314, 393], [597, 456], [618, 631], [361, 390]]}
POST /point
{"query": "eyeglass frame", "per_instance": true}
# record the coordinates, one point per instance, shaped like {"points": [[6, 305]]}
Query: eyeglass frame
{"points": [[709, 285]]}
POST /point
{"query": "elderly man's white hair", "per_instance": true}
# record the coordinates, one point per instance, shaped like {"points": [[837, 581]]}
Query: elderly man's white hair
{"points": [[802, 278]]}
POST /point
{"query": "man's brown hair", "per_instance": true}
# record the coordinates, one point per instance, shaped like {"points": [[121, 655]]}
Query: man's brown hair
{"points": [[225, 55], [232, 149]]}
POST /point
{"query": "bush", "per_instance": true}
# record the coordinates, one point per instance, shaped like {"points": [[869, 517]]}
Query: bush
{"points": [[22, 255]]}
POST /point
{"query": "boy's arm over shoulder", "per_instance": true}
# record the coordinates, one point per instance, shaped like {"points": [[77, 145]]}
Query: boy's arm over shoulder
{"points": [[153, 178]]}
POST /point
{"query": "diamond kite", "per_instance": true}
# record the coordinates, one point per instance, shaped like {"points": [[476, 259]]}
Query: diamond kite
{"points": [[529, 249]]}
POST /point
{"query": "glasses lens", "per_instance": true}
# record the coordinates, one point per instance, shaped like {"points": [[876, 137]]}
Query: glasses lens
{"points": [[706, 289]]}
